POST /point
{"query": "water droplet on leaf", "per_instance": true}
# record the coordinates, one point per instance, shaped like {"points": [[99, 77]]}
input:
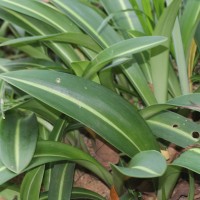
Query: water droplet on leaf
{"points": [[58, 80]]}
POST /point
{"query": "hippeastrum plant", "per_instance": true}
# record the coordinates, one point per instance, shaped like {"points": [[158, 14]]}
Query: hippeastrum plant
{"points": [[124, 69]]}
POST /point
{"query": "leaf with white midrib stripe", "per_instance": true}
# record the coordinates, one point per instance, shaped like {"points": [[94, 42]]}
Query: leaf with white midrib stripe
{"points": [[98, 108], [18, 137]]}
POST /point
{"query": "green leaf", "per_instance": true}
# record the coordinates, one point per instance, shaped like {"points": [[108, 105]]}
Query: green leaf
{"points": [[74, 38], [189, 21], [122, 49], [190, 101], [43, 110], [9, 191], [160, 55], [180, 58], [146, 164], [35, 26], [79, 99], [79, 193], [89, 21], [122, 15], [174, 128], [31, 185], [153, 110], [189, 159], [18, 137], [61, 181], [48, 151], [12, 65], [5, 173]]}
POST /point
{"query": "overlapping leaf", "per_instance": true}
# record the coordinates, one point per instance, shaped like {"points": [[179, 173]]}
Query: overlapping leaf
{"points": [[105, 112]]}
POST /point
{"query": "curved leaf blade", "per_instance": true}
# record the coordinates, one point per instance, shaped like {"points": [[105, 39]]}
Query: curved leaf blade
{"points": [[146, 164], [67, 37], [31, 185], [79, 193], [174, 128], [18, 137], [88, 102], [190, 101], [62, 178], [122, 49], [189, 159]]}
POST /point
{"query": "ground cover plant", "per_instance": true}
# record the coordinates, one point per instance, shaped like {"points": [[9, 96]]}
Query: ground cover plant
{"points": [[123, 71]]}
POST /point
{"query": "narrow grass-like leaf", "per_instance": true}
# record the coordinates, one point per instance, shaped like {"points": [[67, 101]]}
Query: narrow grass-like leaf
{"points": [[78, 98], [31, 185], [160, 56], [122, 49], [29, 50], [18, 137], [89, 21], [74, 38], [180, 58], [37, 27], [41, 11], [146, 164], [125, 19], [28, 63], [61, 181], [174, 128], [189, 21], [137, 78]]}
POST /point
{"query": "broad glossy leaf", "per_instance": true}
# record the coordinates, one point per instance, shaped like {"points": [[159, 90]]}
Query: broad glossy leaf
{"points": [[122, 49], [190, 101], [18, 137], [95, 106], [189, 159], [61, 181], [31, 185], [174, 128], [146, 164]]}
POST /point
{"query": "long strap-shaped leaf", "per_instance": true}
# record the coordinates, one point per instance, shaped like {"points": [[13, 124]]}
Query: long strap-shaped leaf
{"points": [[48, 151], [160, 57], [122, 49], [95, 106], [66, 37], [31, 185]]}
